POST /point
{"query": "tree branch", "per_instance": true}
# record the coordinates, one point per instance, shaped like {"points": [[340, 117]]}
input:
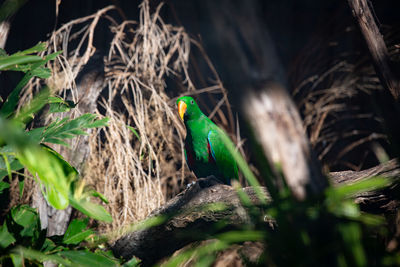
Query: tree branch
{"points": [[376, 45], [189, 221]]}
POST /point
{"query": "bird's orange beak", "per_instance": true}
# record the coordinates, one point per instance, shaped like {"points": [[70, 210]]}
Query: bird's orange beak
{"points": [[182, 109]]}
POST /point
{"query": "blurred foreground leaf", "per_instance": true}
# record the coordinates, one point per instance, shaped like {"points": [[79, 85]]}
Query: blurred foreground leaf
{"points": [[49, 169], [91, 209], [86, 258], [75, 232], [5, 237]]}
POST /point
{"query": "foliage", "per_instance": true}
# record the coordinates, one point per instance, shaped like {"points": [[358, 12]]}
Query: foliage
{"points": [[21, 234], [23, 240]]}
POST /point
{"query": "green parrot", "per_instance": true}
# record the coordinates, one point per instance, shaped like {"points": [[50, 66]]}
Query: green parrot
{"points": [[205, 152]]}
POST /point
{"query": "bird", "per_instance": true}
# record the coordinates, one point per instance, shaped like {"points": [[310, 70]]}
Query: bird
{"points": [[205, 152]]}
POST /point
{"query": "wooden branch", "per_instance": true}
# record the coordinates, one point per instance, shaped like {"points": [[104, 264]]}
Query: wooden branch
{"points": [[384, 201], [192, 222], [376, 45]]}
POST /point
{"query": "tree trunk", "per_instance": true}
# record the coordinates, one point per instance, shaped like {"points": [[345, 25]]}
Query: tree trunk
{"points": [[257, 85], [89, 88]]}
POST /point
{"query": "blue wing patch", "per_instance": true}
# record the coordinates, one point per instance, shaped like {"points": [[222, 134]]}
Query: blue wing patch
{"points": [[212, 150]]}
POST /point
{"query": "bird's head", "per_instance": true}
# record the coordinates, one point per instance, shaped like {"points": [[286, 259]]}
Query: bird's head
{"points": [[188, 108]]}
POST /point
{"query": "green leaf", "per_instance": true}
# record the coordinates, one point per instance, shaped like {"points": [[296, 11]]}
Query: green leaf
{"points": [[94, 193], [68, 168], [8, 167], [351, 234], [56, 108], [51, 173], [37, 103], [55, 198], [11, 102], [3, 53], [26, 217], [36, 134], [15, 165], [21, 183], [75, 232], [241, 236], [98, 123], [206, 260], [348, 190], [79, 237], [58, 104], [3, 186], [134, 262], [55, 176], [244, 167], [67, 128], [42, 72], [86, 258], [57, 141], [48, 245], [199, 252], [14, 60], [9, 8], [133, 131], [53, 55], [40, 47], [6, 238], [91, 209], [39, 256], [17, 260]]}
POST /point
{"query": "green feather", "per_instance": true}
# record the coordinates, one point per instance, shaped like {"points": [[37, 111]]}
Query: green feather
{"points": [[203, 135]]}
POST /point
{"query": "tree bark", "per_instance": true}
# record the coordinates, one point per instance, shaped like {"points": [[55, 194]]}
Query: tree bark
{"points": [[376, 45], [186, 213], [257, 85], [8, 10], [89, 87], [4, 30], [278, 128]]}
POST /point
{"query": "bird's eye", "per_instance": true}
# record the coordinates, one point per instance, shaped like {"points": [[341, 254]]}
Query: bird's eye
{"points": [[191, 102]]}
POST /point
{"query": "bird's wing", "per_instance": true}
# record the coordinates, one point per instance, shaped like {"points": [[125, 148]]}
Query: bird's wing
{"points": [[189, 159], [221, 155]]}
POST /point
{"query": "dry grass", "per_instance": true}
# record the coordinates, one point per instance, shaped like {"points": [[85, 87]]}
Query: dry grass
{"points": [[332, 118], [137, 170], [343, 126]]}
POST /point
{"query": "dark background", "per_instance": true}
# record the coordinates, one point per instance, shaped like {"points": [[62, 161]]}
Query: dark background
{"points": [[302, 32], [291, 23]]}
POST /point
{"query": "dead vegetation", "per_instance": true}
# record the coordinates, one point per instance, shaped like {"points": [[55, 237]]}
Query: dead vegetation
{"points": [[344, 127], [138, 161]]}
